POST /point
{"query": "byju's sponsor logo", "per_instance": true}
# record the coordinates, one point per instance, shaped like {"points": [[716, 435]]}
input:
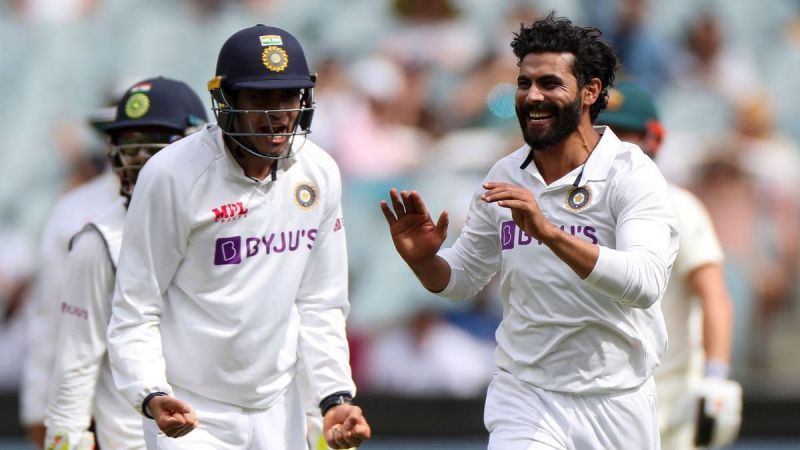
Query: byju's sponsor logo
{"points": [[511, 236], [508, 231], [229, 250], [229, 212], [76, 311]]}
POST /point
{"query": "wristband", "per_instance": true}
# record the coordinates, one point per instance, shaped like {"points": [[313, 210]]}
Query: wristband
{"points": [[717, 369], [335, 399], [147, 399]]}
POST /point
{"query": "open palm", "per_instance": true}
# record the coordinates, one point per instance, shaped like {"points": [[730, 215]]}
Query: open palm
{"points": [[416, 237]]}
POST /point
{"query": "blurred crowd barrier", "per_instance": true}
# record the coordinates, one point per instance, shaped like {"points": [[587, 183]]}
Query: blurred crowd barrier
{"points": [[418, 94]]}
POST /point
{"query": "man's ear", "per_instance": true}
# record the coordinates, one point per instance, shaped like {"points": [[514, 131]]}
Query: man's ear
{"points": [[591, 91]]}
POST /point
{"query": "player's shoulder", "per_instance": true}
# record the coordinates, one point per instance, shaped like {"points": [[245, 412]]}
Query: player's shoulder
{"points": [[684, 202], [316, 163], [630, 157], [628, 160], [112, 217], [313, 155], [78, 206], [88, 245], [510, 162], [97, 192], [189, 156]]}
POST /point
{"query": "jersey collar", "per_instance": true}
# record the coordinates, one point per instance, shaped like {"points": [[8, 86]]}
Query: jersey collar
{"points": [[601, 159], [596, 167]]}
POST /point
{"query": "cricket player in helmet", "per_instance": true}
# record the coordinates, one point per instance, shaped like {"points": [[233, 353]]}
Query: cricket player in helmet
{"points": [[234, 269], [265, 124], [151, 114]]}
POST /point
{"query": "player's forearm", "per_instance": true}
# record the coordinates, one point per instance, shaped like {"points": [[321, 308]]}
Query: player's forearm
{"points": [[709, 285], [326, 355], [433, 273], [581, 256]]}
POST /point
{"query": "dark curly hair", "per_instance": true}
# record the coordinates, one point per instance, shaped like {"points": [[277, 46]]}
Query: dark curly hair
{"points": [[593, 57]]}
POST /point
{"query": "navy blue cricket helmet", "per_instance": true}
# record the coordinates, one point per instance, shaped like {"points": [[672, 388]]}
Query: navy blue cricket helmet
{"points": [[158, 102], [261, 58], [159, 111]]}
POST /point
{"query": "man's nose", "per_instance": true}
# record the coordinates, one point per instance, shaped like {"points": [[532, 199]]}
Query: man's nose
{"points": [[534, 95]]}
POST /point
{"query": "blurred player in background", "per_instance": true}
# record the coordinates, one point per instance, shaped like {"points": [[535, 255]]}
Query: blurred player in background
{"points": [[67, 217], [579, 227], [152, 114], [234, 265], [696, 305]]}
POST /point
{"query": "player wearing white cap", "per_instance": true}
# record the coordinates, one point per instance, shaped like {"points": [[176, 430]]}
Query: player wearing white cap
{"points": [[233, 266], [150, 115], [579, 226], [697, 309]]}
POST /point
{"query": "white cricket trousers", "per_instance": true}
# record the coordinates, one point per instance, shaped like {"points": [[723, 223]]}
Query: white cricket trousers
{"points": [[520, 416], [229, 427]]}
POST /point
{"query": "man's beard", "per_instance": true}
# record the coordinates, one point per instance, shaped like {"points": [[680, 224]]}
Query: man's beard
{"points": [[566, 121]]}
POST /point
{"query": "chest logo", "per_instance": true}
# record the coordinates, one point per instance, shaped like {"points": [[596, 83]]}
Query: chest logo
{"points": [[305, 195], [578, 198], [229, 212]]}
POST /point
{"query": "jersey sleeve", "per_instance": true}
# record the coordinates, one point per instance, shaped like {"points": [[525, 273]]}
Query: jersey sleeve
{"points": [[154, 242], [475, 256], [323, 304], [81, 345], [636, 272]]}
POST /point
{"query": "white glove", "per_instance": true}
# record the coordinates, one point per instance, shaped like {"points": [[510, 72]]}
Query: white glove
{"points": [[718, 412], [60, 439]]}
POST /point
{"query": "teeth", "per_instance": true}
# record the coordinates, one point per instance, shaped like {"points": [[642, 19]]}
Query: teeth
{"points": [[539, 115]]}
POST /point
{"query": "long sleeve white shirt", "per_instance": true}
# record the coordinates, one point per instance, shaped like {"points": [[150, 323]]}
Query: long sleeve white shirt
{"points": [[71, 213], [604, 333], [82, 382], [223, 280]]}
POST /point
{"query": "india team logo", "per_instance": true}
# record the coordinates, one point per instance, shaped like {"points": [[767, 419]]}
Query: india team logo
{"points": [[578, 198], [137, 105], [305, 195], [275, 58]]}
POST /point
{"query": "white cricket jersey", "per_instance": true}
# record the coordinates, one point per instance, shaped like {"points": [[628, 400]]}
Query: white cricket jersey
{"points": [[604, 333], [82, 383], [682, 310], [223, 279], [71, 213]]}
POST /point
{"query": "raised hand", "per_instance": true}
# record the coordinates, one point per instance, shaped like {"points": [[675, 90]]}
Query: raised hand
{"points": [[344, 426], [174, 417], [414, 234]]}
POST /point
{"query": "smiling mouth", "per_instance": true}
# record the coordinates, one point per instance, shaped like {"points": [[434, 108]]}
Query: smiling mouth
{"points": [[540, 116]]}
